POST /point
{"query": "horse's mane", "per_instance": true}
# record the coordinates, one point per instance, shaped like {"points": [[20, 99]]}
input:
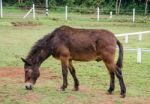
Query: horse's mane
{"points": [[41, 44]]}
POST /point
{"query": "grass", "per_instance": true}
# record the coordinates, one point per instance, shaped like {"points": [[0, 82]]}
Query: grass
{"points": [[15, 42]]}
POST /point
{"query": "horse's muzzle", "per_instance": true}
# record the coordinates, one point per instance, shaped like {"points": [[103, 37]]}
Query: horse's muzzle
{"points": [[29, 86]]}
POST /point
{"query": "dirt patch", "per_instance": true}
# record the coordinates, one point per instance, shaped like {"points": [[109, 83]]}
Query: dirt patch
{"points": [[97, 96], [11, 72], [27, 23], [17, 74], [31, 96]]}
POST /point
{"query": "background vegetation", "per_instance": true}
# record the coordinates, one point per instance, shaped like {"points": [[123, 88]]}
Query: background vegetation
{"points": [[117, 5]]}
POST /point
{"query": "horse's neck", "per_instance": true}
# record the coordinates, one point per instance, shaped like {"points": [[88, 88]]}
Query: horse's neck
{"points": [[40, 57]]}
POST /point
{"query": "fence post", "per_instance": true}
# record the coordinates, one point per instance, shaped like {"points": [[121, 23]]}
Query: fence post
{"points": [[140, 36], [1, 7], [133, 14], [139, 55], [126, 38], [66, 12], [28, 13], [110, 15], [46, 8], [33, 11], [97, 13]]}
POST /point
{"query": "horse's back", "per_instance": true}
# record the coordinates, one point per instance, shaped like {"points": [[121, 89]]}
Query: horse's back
{"points": [[83, 44]]}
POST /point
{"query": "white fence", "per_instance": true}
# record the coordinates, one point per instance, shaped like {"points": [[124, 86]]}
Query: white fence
{"points": [[96, 14], [97, 11], [1, 9], [126, 35], [31, 10], [138, 50]]}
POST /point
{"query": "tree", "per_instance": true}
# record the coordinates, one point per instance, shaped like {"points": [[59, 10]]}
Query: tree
{"points": [[20, 1], [146, 5], [116, 6], [119, 6]]}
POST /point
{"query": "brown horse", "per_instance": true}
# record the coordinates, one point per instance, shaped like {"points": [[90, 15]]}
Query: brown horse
{"points": [[66, 44]]}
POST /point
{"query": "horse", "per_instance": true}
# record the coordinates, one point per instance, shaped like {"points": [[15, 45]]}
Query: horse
{"points": [[66, 44]]}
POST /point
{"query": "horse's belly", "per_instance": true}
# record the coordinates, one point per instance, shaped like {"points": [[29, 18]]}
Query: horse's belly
{"points": [[84, 57]]}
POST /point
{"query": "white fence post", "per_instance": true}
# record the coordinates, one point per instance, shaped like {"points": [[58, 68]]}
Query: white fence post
{"points": [[33, 11], [110, 15], [134, 15], [66, 12], [46, 8], [140, 36], [139, 55], [1, 7], [126, 38], [28, 13], [97, 13]]}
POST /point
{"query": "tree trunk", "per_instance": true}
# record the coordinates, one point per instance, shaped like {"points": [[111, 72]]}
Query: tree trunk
{"points": [[119, 6], [146, 6], [116, 6], [20, 1]]}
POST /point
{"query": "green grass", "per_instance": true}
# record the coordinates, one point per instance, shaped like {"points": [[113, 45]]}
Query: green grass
{"points": [[15, 42]]}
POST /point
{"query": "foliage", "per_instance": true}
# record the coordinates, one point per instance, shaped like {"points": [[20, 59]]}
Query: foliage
{"points": [[88, 3]]}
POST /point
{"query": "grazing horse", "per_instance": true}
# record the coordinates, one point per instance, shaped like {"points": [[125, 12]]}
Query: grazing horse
{"points": [[66, 44]]}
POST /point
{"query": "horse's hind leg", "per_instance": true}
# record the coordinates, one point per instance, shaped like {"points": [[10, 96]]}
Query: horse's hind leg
{"points": [[112, 82], [111, 67], [73, 73], [118, 73], [114, 70]]}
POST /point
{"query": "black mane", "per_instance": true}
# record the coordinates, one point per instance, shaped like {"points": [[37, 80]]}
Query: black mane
{"points": [[41, 45]]}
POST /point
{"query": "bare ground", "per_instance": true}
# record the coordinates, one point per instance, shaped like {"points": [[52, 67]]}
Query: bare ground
{"points": [[17, 74]]}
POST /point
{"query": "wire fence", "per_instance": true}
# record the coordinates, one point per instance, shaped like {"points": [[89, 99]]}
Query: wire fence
{"points": [[76, 13]]}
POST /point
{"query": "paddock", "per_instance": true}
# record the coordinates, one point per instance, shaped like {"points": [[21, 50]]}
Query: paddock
{"points": [[16, 40]]}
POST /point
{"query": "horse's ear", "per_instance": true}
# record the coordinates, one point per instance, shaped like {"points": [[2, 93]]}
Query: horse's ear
{"points": [[25, 61]]}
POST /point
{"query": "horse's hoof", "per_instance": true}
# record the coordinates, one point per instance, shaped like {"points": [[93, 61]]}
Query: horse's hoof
{"points": [[109, 92], [122, 96], [75, 89], [60, 89]]}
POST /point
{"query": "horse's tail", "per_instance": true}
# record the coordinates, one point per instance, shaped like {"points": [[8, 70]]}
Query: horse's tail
{"points": [[120, 58]]}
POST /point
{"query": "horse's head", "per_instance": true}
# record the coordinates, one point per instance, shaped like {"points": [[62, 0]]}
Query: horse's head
{"points": [[31, 73]]}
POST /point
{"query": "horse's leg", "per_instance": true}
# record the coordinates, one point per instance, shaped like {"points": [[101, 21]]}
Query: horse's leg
{"points": [[108, 57], [73, 73], [64, 64], [118, 73], [111, 67], [112, 82]]}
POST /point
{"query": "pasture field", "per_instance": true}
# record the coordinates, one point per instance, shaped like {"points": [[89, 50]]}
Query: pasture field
{"points": [[15, 42]]}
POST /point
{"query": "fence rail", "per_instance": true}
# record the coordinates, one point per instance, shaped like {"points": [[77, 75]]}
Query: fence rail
{"points": [[96, 14], [139, 52], [126, 35]]}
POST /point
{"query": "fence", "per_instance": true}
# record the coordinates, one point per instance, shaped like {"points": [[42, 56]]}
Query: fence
{"points": [[71, 13], [139, 50], [31, 10], [1, 9], [126, 35]]}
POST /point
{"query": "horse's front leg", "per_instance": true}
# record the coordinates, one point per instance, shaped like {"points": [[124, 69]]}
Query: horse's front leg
{"points": [[64, 64]]}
